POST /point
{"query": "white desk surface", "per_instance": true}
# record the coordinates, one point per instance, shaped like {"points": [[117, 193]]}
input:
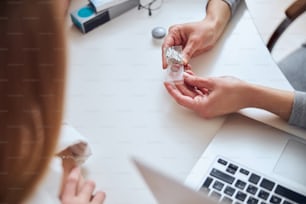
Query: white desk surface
{"points": [[115, 95]]}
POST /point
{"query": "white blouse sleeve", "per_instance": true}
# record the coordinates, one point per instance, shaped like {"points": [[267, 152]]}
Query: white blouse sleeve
{"points": [[48, 189], [72, 139]]}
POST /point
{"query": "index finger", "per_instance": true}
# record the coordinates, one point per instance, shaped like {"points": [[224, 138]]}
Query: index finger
{"points": [[181, 99], [70, 187], [168, 42], [172, 39]]}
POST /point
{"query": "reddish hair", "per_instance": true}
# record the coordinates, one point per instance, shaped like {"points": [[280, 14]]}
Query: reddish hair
{"points": [[32, 78]]}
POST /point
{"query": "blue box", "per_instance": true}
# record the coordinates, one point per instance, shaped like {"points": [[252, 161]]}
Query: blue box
{"points": [[86, 19]]}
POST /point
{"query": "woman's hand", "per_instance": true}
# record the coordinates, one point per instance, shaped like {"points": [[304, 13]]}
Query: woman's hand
{"points": [[210, 97], [76, 193], [196, 38], [215, 96]]}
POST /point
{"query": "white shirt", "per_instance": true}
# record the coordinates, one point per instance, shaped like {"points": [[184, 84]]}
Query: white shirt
{"points": [[48, 190]]}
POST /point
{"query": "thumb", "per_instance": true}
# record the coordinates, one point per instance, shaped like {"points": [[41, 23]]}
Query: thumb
{"points": [[70, 185], [199, 82], [189, 50]]}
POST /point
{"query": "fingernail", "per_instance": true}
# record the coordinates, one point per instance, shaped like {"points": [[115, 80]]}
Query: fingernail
{"points": [[185, 61], [166, 84], [186, 74], [169, 84]]}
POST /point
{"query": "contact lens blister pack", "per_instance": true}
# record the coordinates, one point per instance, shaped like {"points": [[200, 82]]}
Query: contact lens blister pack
{"points": [[175, 69]]}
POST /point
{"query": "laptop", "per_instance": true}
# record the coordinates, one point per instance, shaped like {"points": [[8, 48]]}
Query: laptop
{"points": [[167, 190], [246, 162]]}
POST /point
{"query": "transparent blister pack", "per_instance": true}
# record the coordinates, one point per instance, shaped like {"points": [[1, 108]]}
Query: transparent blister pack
{"points": [[175, 73], [175, 69]]}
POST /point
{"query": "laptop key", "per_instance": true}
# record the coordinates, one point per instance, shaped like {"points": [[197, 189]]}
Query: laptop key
{"points": [[289, 194], [275, 200], [204, 190], [207, 182], [232, 168], [240, 184], [222, 161], [222, 176], [259, 189], [252, 189], [218, 185], [215, 196], [287, 202], [240, 196], [252, 200], [229, 190], [267, 184], [254, 178], [226, 200], [244, 171], [263, 194]]}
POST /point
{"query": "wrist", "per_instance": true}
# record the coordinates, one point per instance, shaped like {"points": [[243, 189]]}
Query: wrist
{"points": [[245, 94], [273, 100], [218, 14], [253, 94]]}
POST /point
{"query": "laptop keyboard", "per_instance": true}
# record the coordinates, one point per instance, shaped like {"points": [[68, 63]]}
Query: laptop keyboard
{"points": [[228, 182]]}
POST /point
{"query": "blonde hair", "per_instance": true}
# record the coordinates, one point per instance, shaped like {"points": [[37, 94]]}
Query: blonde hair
{"points": [[32, 78]]}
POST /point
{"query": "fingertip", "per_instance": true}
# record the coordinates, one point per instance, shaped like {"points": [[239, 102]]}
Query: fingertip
{"points": [[101, 194], [75, 173], [185, 61], [188, 52], [187, 74], [99, 197], [187, 67], [90, 183], [164, 60], [169, 84]]}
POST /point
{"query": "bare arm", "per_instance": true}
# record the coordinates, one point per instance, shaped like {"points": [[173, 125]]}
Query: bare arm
{"points": [[276, 101], [200, 36], [215, 96], [218, 13]]}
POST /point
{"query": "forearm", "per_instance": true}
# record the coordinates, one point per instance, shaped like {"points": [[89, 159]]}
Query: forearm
{"points": [[218, 13], [276, 101]]}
